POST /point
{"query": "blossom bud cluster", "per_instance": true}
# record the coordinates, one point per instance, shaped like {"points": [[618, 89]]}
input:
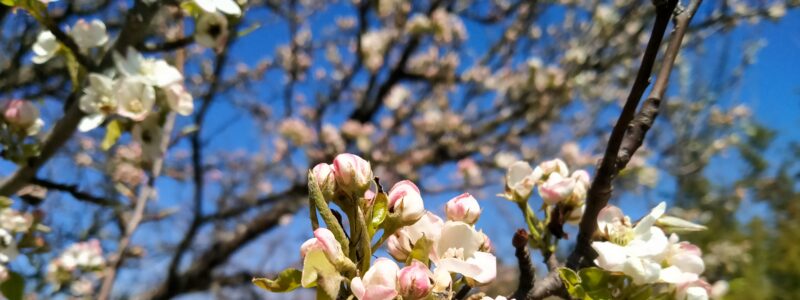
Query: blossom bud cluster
{"points": [[555, 183], [426, 249], [76, 266]]}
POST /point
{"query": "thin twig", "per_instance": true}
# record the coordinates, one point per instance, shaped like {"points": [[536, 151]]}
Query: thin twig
{"points": [[526, 269]]}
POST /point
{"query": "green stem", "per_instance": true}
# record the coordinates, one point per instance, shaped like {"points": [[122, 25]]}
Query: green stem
{"points": [[363, 240], [327, 216]]}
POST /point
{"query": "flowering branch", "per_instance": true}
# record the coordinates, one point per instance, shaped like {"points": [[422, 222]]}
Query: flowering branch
{"points": [[601, 188]]}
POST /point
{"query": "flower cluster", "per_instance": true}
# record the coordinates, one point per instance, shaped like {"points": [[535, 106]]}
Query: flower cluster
{"points": [[645, 253], [133, 93], [432, 256], [12, 223], [77, 266]]}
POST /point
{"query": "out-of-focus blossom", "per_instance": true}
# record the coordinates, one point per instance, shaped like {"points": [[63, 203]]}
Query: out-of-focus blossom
{"points": [[136, 98], [8, 247], [378, 283], [178, 99], [463, 208], [98, 101], [374, 45], [470, 171], [212, 30], [353, 173], [415, 281], [405, 200], [45, 48], [89, 34], [155, 72], [297, 131], [697, 290], [396, 97]]}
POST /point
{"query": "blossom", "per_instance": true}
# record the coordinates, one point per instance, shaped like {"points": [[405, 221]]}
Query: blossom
{"points": [[635, 251], [415, 280], [520, 180], [226, 6], [556, 188], [546, 168], [156, 72], [406, 201], [353, 174], [84, 255], [323, 174], [135, 97], [89, 34], [696, 290], [458, 251], [463, 208], [212, 30], [45, 48], [98, 101], [401, 243], [321, 255], [684, 261], [8, 247], [378, 283], [179, 100], [297, 131]]}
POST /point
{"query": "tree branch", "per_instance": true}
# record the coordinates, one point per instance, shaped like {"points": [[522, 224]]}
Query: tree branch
{"points": [[601, 188], [526, 269]]}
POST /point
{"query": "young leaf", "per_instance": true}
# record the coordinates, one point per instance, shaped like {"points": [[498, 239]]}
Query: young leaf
{"points": [[287, 280], [593, 278], [422, 248], [113, 132], [379, 212], [14, 287]]}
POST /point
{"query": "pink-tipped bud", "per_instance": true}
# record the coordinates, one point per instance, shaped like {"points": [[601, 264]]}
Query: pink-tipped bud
{"points": [[416, 281], [405, 200], [323, 240], [463, 208], [324, 176], [556, 188], [353, 174], [20, 113]]}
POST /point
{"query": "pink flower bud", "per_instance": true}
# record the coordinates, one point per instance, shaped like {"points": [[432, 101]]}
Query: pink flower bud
{"points": [[378, 283], [405, 200], [464, 208], [555, 166], [20, 113], [556, 188], [325, 241], [353, 174], [416, 281], [581, 177], [324, 176]]}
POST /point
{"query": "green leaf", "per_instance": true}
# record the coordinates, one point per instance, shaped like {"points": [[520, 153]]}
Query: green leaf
{"points": [[569, 277], [5, 202], [14, 287], [594, 278], [287, 280], [379, 212], [8, 2], [634, 292], [113, 132], [422, 248], [74, 69], [191, 8]]}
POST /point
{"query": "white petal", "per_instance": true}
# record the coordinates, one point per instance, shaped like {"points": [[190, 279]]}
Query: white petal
{"points": [[207, 5], [229, 7], [642, 271], [610, 257], [91, 122]]}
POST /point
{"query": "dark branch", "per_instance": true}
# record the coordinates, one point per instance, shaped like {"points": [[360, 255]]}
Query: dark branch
{"points": [[600, 190], [526, 270]]}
